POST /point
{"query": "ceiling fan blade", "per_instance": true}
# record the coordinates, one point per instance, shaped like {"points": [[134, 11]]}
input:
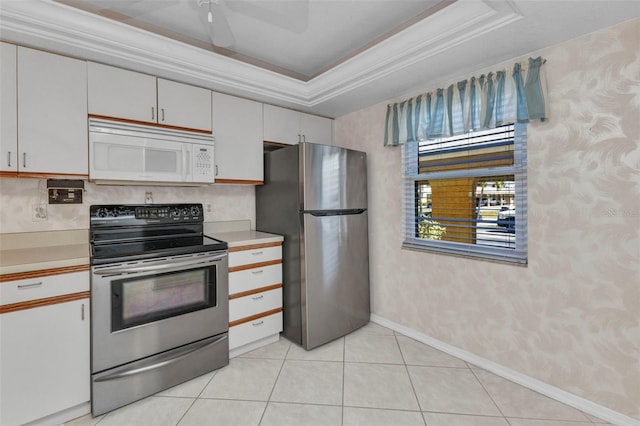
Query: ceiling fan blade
{"points": [[219, 30]]}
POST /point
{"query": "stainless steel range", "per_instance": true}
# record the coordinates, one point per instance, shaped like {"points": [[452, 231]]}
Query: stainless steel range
{"points": [[159, 301]]}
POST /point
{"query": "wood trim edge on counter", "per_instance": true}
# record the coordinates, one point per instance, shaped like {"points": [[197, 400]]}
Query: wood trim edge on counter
{"points": [[255, 246], [255, 317], [255, 265], [240, 181], [30, 304], [42, 273], [255, 291], [43, 175]]}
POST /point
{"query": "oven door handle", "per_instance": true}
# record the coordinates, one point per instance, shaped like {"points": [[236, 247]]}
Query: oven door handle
{"points": [[161, 363], [161, 266]]}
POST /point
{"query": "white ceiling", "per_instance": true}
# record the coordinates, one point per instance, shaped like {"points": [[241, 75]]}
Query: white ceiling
{"points": [[328, 57], [300, 38]]}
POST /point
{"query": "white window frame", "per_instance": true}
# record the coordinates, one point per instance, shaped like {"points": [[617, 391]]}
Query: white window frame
{"points": [[519, 255]]}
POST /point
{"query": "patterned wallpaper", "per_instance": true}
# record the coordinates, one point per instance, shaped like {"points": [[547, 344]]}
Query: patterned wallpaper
{"points": [[221, 202], [572, 317]]}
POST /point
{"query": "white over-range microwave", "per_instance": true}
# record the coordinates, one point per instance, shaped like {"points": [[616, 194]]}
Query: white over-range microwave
{"points": [[121, 153]]}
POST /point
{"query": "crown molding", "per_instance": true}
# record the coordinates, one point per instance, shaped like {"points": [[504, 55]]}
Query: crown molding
{"points": [[66, 30], [453, 26]]}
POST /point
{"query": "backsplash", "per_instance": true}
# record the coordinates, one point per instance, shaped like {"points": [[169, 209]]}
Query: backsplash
{"points": [[17, 196]]}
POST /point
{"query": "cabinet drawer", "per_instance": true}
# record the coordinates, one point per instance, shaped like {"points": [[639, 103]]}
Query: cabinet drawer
{"points": [[249, 279], [253, 304], [248, 257], [255, 330], [43, 287]]}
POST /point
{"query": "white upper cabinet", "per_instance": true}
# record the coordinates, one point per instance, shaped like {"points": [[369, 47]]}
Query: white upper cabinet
{"points": [[316, 129], [281, 125], [238, 147], [8, 108], [114, 92], [52, 114], [183, 105], [119, 93], [291, 127]]}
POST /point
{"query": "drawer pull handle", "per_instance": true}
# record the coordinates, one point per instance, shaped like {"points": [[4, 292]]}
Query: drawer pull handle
{"points": [[257, 272], [26, 286], [258, 297], [257, 253], [256, 324]]}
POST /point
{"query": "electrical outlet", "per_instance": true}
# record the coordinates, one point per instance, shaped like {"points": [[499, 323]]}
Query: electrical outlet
{"points": [[39, 212]]}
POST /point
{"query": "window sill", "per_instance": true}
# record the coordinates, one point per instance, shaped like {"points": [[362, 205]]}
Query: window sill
{"points": [[510, 259]]}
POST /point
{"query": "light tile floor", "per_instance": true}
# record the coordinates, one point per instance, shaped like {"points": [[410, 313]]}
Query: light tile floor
{"points": [[371, 377]]}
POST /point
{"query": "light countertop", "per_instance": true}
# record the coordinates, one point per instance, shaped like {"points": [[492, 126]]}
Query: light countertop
{"points": [[36, 251], [247, 237]]}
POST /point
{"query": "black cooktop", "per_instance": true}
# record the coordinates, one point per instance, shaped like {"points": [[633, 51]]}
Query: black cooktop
{"points": [[119, 233]]}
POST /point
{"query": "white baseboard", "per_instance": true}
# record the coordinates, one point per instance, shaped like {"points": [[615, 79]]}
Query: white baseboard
{"points": [[63, 416], [558, 394]]}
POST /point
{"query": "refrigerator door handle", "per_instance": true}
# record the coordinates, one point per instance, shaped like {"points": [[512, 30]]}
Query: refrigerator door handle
{"points": [[319, 213]]}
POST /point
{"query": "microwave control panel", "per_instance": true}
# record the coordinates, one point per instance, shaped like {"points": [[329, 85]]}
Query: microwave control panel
{"points": [[203, 166]]}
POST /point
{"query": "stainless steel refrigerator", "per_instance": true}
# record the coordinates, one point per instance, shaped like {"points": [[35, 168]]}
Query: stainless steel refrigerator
{"points": [[316, 197]]}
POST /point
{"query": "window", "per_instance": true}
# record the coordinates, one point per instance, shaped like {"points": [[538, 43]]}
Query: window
{"points": [[466, 195]]}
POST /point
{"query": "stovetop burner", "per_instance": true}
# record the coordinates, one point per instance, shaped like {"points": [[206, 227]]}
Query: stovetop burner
{"points": [[132, 232]]}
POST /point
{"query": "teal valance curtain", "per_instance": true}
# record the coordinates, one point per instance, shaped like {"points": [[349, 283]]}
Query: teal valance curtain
{"points": [[483, 102]]}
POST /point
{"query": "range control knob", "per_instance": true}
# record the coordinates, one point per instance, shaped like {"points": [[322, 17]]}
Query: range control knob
{"points": [[175, 212], [195, 211], [102, 212]]}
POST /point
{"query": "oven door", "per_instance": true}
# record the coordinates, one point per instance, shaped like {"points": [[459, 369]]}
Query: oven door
{"points": [[145, 307]]}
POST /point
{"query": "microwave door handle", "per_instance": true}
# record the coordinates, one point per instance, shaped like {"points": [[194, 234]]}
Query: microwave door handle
{"points": [[164, 265], [186, 164]]}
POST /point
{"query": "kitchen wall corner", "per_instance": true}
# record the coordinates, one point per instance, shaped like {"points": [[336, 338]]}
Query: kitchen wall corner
{"points": [[570, 319]]}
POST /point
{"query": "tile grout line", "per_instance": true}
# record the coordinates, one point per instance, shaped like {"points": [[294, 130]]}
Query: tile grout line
{"points": [[488, 394], [215, 372], [406, 368], [274, 384], [344, 366]]}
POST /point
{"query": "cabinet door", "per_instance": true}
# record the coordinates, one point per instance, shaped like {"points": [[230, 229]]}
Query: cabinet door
{"points": [[183, 105], [114, 92], [52, 113], [44, 361], [8, 109], [281, 125], [238, 132], [316, 129]]}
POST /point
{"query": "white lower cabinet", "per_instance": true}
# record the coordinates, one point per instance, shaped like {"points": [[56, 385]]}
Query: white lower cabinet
{"points": [[251, 335], [255, 296], [44, 356]]}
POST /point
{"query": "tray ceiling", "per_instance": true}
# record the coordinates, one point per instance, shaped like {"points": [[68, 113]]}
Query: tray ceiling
{"points": [[328, 57]]}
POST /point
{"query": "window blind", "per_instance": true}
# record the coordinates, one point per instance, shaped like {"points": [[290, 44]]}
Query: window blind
{"points": [[466, 194]]}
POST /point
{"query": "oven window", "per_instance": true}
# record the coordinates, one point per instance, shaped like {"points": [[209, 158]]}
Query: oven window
{"points": [[137, 301]]}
